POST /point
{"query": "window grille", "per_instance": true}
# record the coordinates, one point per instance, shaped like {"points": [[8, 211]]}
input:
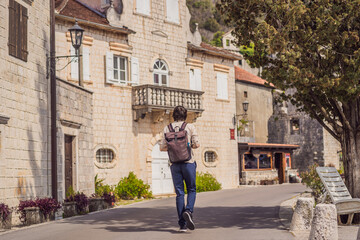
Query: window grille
{"points": [[210, 157], [105, 155]]}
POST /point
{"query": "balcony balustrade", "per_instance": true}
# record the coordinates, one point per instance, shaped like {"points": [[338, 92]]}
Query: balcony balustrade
{"points": [[160, 100]]}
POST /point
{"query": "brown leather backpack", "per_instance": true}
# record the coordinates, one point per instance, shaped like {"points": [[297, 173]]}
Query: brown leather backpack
{"points": [[177, 144]]}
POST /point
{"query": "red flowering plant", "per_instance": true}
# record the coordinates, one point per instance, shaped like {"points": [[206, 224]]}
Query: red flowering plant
{"points": [[4, 211], [21, 209], [47, 206]]}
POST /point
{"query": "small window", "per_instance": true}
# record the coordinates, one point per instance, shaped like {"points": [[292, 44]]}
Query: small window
{"points": [[295, 126], [240, 62], [210, 157], [245, 94], [18, 18], [227, 42], [105, 155]]}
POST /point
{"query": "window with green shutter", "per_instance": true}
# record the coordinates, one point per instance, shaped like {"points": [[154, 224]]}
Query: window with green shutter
{"points": [[18, 17]]}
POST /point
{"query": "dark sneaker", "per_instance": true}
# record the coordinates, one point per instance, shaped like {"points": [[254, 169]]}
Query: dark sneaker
{"points": [[183, 229], [188, 218]]}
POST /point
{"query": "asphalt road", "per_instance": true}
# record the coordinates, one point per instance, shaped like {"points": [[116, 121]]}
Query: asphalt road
{"points": [[244, 213]]}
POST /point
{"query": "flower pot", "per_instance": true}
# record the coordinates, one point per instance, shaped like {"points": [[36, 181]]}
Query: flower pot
{"points": [[47, 218], [32, 215], [82, 212], [96, 204], [108, 205], [69, 209], [6, 224]]}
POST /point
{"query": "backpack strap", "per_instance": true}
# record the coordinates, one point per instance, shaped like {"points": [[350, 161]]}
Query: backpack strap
{"points": [[170, 127], [183, 126]]}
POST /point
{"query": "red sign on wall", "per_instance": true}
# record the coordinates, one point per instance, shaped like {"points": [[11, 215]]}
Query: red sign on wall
{"points": [[232, 134]]}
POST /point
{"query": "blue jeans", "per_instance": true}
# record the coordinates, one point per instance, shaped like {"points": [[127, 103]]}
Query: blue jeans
{"points": [[181, 172]]}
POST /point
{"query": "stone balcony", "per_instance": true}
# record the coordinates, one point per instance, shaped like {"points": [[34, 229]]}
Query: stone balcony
{"points": [[159, 100]]}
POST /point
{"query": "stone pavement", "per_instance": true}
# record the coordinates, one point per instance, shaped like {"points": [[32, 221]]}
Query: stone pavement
{"points": [[285, 214]]}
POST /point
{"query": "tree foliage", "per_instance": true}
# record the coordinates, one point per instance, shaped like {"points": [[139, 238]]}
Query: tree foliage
{"points": [[217, 39], [313, 47]]}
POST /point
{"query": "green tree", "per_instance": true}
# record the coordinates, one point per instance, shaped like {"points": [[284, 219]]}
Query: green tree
{"points": [[217, 39], [314, 47]]}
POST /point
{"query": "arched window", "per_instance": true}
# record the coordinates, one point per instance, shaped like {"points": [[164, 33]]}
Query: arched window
{"points": [[105, 155], [161, 73]]}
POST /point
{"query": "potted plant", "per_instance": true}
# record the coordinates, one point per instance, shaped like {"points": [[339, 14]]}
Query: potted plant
{"points": [[28, 212], [81, 203], [5, 216], [47, 207], [96, 203], [109, 200], [69, 205]]}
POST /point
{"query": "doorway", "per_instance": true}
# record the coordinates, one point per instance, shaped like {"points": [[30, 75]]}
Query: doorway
{"points": [[161, 175], [280, 166], [68, 162]]}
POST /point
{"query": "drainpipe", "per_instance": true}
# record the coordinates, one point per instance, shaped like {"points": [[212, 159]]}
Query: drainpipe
{"points": [[54, 187]]}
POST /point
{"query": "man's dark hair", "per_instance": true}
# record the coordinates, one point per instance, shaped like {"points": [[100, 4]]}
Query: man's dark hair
{"points": [[180, 113]]}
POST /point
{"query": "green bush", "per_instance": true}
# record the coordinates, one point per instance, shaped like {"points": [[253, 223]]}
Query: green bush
{"points": [[217, 39], [205, 182], [312, 180], [131, 187], [100, 188]]}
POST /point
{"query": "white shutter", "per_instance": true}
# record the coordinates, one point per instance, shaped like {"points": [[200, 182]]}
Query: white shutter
{"points": [[192, 79], [172, 10], [225, 86], [110, 68], [134, 71], [222, 88], [74, 64], [86, 63], [143, 6], [197, 75]]}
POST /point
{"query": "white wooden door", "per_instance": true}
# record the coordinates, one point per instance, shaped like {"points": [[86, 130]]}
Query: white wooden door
{"points": [[161, 175]]}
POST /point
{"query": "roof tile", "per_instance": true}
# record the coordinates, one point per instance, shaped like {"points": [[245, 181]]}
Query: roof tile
{"points": [[79, 10], [245, 76]]}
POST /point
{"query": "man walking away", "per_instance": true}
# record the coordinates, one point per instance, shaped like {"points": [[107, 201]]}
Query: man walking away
{"points": [[183, 165]]}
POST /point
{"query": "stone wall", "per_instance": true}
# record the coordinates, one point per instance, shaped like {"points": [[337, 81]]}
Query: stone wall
{"points": [[75, 118], [24, 138], [255, 177], [316, 145], [260, 107]]}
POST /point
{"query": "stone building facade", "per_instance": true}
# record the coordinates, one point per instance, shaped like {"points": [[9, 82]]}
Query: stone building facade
{"points": [[24, 108], [74, 138], [25, 137], [162, 70], [287, 125]]}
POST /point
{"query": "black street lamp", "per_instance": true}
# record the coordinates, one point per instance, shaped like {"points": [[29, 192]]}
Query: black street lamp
{"points": [[76, 34], [245, 106]]}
